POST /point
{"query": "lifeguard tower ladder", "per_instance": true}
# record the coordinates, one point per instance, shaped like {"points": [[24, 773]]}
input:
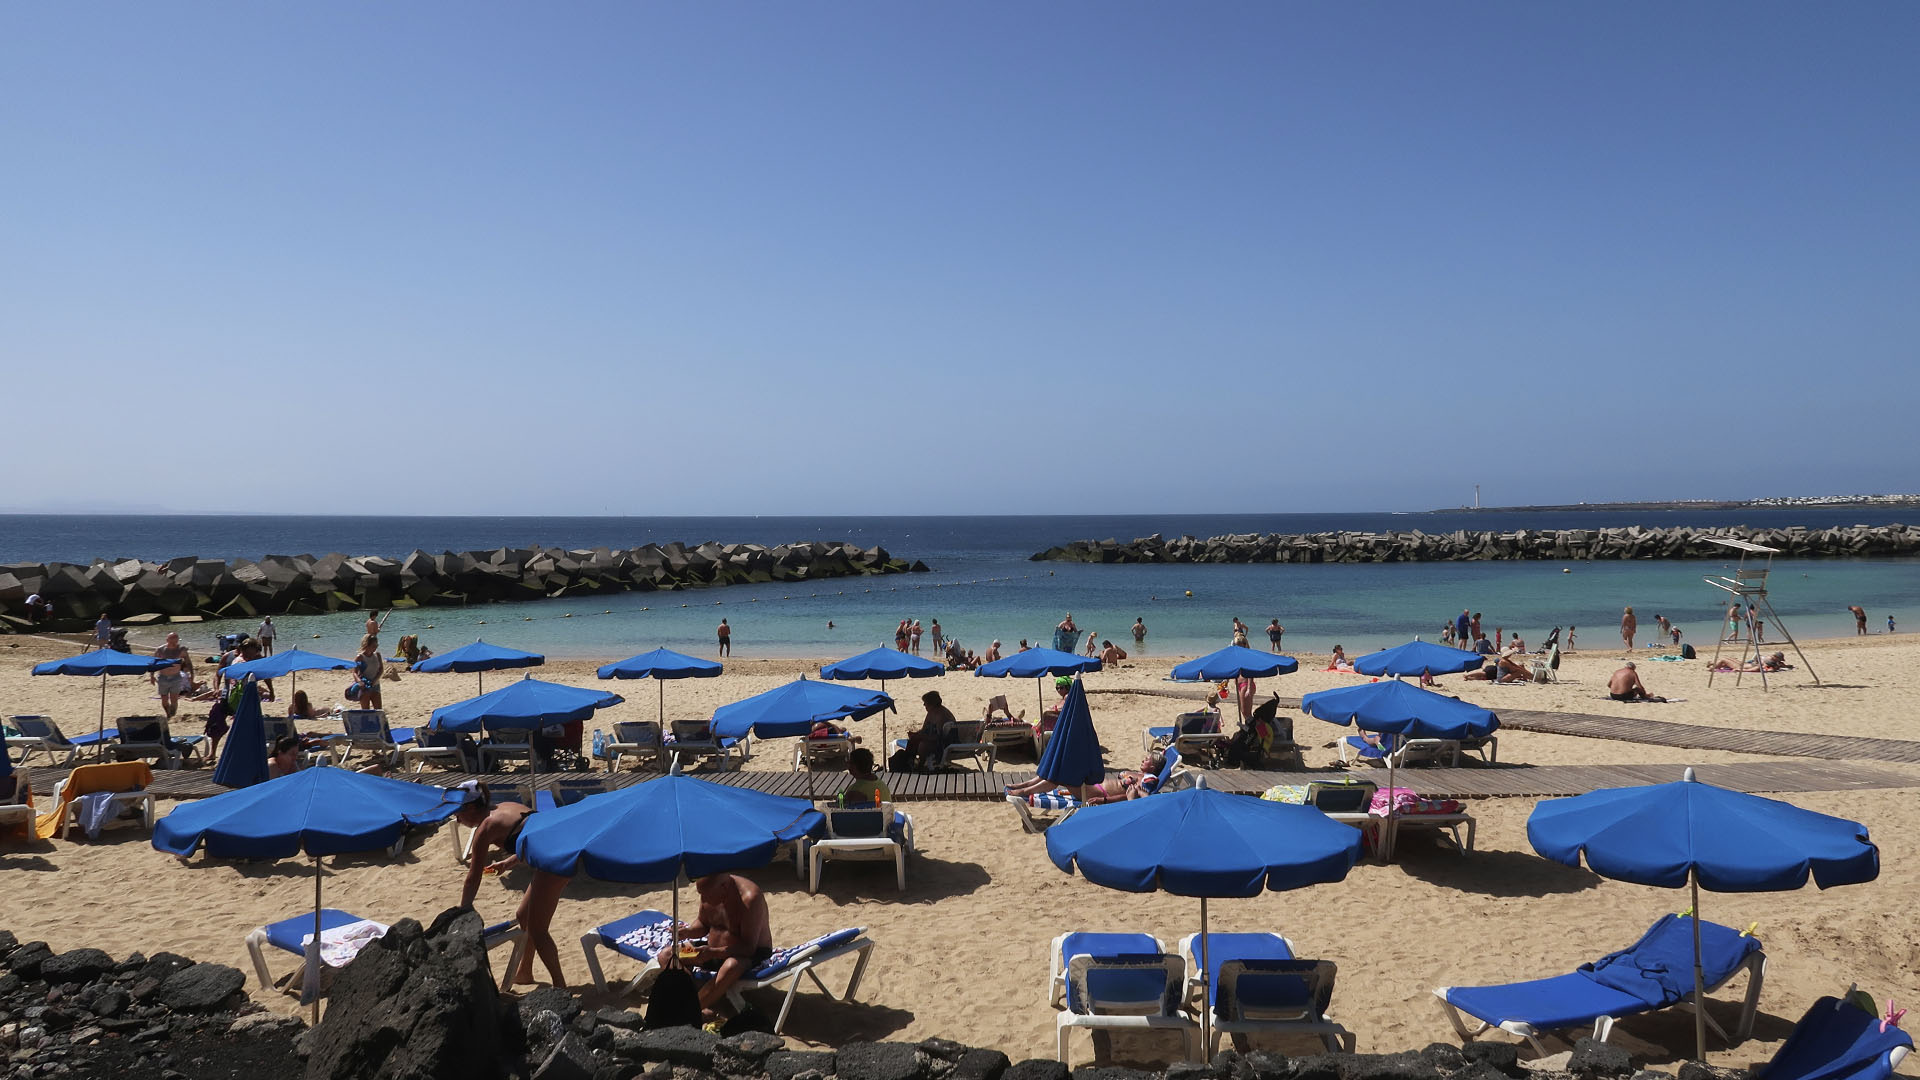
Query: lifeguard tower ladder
{"points": [[1748, 587]]}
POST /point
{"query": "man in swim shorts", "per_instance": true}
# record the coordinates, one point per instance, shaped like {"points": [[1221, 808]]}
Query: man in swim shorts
{"points": [[1625, 685], [733, 919]]}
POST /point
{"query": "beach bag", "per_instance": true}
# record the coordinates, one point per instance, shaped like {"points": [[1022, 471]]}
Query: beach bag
{"points": [[674, 1000], [1687, 653], [747, 1019], [901, 761]]}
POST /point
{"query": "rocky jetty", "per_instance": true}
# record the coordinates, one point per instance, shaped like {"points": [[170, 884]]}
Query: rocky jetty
{"points": [[421, 1004], [1564, 545], [133, 591]]}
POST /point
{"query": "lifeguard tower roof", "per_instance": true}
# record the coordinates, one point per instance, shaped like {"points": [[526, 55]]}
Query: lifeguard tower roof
{"points": [[1742, 545]]}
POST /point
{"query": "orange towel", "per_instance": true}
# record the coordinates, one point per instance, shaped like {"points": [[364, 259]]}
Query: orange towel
{"points": [[111, 776]]}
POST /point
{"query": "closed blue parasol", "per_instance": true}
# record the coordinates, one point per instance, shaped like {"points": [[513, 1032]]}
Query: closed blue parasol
{"points": [[319, 811], [1203, 843], [1695, 834], [523, 705], [480, 657], [283, 664], [662, 830], [1418, 658], [102, 662], [662, 664], [1235, 662], [243, 762], [1397, 708], [1072, 757], [794, 708]]}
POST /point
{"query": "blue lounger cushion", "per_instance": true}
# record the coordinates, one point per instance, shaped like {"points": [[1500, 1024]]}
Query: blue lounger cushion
{"points": [[1224, 947], [1130, 986], [287, 934], [1652, 973], [611, 933], [1837, 1040], [781, 958]]}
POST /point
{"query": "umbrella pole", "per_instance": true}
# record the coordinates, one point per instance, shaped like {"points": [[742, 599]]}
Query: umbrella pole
{"points": [[883, 735], [1699, 977], [100, 733], [1386, 844], [310, 986], [1206, 991], [663, 703]]}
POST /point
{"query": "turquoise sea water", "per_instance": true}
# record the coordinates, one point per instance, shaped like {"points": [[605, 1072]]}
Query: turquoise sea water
{"points": [[983, 587]]}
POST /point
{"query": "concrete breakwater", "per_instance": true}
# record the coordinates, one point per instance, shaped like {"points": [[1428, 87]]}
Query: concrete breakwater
{"points": [[1859, 541], [135, 591]]}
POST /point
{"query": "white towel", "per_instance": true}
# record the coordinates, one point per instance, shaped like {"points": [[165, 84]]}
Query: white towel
{"points": [[96, 809], [342, 943]]}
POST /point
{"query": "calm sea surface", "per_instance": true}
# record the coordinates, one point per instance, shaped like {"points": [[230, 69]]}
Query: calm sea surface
{"points": [[983, 587]]}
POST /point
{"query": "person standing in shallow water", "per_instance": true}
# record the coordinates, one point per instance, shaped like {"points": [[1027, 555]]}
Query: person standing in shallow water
{"points": [[725, 634], [1139, 630]]}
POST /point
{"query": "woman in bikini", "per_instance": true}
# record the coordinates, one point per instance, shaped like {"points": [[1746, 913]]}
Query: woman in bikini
{"points": [[497, 825]]}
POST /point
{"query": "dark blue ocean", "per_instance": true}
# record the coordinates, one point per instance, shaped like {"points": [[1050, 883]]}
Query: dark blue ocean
{"points": [[983, 586]]}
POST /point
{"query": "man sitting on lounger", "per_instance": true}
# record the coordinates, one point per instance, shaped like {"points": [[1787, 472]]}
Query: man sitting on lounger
{"points": [[739, 937], [1626, 686]]}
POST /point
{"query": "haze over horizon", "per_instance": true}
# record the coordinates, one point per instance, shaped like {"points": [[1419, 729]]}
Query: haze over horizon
{"points": [[689, 260]]}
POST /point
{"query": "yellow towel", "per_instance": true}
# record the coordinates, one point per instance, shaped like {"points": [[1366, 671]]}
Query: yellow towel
{"points": [[111, 776]]}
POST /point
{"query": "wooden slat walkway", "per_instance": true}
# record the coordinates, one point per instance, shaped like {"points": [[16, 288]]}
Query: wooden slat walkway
{"points": [[1662, 733], [1476, 782]]}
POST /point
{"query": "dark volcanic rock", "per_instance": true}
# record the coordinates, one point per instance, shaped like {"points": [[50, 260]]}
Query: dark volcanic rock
{"points": [[979, 1065], [200, 988], [880, 1061], [746, 1053], [1037, 1069], [787, 1064], [25, 961], [687, 1046], [75, 966], [1504, 1056], [1591, 1058]]}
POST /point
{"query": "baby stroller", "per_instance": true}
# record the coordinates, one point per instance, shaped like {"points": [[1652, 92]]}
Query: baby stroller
{"points": [[117, 640]]}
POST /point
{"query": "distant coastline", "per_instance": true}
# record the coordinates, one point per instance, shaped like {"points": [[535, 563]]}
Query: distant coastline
{"points": [[1824, 502]]}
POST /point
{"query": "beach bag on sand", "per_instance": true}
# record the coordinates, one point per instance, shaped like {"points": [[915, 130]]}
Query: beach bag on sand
{"points": [[902, 762], [674, 1000], [1687, 653]]}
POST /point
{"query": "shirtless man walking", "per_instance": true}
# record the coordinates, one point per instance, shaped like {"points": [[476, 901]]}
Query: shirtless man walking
{"points": [[174, 679], [725, 634], [733, 919]]}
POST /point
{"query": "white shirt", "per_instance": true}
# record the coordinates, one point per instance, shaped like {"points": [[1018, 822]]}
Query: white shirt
{"points": [[266, 632]]}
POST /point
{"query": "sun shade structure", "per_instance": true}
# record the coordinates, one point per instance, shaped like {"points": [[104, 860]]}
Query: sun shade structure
{"points": [[1702, 836], [1418, 658], [523, 705], [480, 657], [1397, 708], [243, 761], [283, 664], [661, 664], [1203, 843], [1235, 662], [103, 662], [657, 832], [1072, 757], [319, 812], [1038, 664], [793, 709], [882, 664]]}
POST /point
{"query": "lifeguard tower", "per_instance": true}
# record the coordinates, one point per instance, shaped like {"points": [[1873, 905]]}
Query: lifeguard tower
{"points": [[1748, 587]]}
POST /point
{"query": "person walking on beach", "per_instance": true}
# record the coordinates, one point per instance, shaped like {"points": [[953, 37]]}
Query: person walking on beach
{"points": [[1461, 624], [266, 634], [1274, 632], [174, 679], [372, 667], [1889, 624], [102, 632], [725, 634], [1733, 621], [1139, 630], [1570, 629], [1628, 625], [1859, 620], [1661, 625]]}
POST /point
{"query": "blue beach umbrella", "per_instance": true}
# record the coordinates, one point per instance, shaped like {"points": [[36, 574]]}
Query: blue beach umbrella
{"points": [[243, 762], [661, 664], [283, 664], [1235, 662], [102, 662], [794, 708], [1038, 664], [1695, 834], [320, 811], [662, 830], [883, 664], [1397, 708], [1072, 757], [523, 705], [1203, 843], [480, 657], [1418, 658]]}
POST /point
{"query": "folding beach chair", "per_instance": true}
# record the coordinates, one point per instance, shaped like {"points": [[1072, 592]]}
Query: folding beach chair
{"points": [[16, 802], [367, 731], [863, 833], [124, 781], [567, 790], [1004, 735], [506, 744], [1653, 973], [826, 751], [1053, 806], [443, 748], [695, 739], [39, 734], [1839, 1039], [292, 935], [639, 935], [1196, 735], [1277, 997], [1126, 991], [1080, 943], [152, 737], [1351, 804], [637, 739]]}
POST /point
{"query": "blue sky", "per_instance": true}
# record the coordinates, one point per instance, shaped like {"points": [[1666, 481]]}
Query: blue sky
{"points": [[963, 258]]}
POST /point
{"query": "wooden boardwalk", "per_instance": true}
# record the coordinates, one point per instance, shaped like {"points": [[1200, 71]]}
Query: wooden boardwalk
{"points": [[1473, 782], [1661, 733]]}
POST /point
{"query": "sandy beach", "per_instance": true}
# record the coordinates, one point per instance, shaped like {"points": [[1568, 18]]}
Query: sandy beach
{"points": [[963, 952]]}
